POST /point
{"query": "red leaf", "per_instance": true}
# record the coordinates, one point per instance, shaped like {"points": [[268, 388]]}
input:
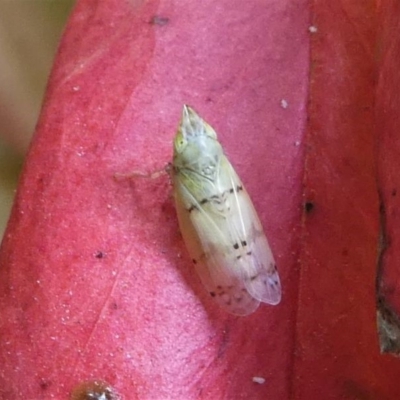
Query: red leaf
{"points": [[387, 106], [95, 281]]}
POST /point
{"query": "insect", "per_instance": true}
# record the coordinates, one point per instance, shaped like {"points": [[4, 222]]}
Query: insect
{"points": [[219, 224]]}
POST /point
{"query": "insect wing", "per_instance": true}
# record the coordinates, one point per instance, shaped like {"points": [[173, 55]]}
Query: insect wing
{"points": [[252, 254], [203, 241]]}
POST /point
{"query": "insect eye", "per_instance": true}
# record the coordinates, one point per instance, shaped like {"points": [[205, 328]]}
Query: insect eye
{"points": [[180, 143]]}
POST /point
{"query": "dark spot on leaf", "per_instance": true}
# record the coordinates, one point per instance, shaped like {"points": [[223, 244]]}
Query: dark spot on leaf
{"points": [[44, 385], [394, 192], [308, 206], [212, 294], [244, 243], [194, 261], [99, 254], [235, 246]]}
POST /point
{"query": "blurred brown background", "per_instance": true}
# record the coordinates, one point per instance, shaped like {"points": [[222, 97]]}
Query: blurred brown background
{"points": [[29, 34]]}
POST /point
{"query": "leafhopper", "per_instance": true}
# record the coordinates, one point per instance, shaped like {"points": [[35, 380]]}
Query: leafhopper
{"points": [[219, 224]]}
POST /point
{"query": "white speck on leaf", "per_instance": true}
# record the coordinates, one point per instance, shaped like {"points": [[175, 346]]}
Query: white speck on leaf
{"points": [[259, 380], [284, 104]]}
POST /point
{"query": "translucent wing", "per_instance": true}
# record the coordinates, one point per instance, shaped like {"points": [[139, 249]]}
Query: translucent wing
{"points": [[222, 284]]}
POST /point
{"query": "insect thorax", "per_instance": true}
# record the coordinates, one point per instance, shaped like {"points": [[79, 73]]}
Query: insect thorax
{"points": [[201, 155]]}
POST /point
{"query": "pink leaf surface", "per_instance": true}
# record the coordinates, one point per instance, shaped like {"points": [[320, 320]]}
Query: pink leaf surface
{"points": [[95, 281]]}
